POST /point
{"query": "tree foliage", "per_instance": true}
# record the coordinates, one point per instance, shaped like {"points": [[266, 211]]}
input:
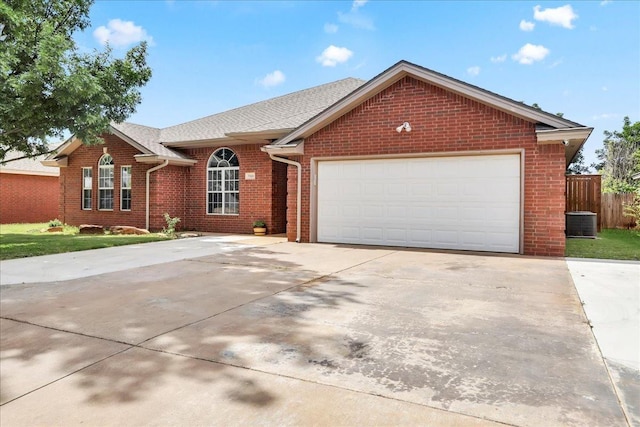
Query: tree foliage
{"points": [[619, 159], [48, 86]]}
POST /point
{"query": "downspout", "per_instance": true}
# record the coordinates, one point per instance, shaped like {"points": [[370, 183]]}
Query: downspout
{"points": [[299, 192], [153, 169]]}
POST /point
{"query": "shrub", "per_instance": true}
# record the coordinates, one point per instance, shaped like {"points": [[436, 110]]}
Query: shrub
{"points": [[259, 224], [170, 229], [633, 209], [55, 223]]}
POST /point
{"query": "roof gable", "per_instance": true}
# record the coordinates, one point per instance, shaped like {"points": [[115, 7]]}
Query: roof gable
{"points": [[403, 69]]}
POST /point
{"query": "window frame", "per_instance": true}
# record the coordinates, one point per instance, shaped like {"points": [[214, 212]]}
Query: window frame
{"points": [[228, 170], [88, 189], [110, 169], [123, 188]]}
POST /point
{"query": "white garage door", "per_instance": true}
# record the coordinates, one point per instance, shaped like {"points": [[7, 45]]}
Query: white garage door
{"points": [[467, 202]]}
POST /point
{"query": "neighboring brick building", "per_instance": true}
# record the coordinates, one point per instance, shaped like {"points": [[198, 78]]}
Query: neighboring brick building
{"points": [[410, 158], [29, 192]]}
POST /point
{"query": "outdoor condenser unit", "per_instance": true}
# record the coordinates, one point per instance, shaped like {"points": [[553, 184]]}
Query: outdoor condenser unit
{"points": [[582, 224]]}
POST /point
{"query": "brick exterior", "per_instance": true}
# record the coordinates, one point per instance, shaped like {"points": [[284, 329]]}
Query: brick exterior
{"points": [[442, 121], [71, 186], [28, 198], [262, 198], [179, 191]]}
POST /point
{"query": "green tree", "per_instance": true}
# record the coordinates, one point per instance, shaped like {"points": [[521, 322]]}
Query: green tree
{"points": [[48, 86], [620, 158]]}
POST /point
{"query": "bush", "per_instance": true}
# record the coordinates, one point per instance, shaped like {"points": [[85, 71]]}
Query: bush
{"points": [[633, 209], [55, 223], [259, 224], [170, 229]]}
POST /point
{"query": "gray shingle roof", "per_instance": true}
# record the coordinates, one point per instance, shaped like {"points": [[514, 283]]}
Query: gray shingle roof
{"points": [[283, 112], [27, 166], [148, 138]]}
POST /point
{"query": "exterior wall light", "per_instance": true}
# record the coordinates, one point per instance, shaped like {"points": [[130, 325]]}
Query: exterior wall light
{"points": [[406, 126]]}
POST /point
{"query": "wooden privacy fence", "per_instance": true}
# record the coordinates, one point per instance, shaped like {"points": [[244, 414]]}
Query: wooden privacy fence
{"points": [[584, 194], [612, 211]]}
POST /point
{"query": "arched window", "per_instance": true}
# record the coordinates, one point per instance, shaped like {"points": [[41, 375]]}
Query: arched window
{"points": [[223, 183], [105, 182]]}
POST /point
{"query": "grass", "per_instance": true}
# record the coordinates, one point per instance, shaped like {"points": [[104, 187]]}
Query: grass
{"points": [[610, 244], [27, 240]]}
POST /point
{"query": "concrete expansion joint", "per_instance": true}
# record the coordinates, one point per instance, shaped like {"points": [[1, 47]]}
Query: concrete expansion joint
{"points": [[73, 372]]}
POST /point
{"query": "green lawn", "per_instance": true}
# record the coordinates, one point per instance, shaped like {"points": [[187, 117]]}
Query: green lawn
{"points": [[26, 240], [610, 244]]}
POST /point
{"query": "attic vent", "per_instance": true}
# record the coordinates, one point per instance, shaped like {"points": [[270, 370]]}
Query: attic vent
{"points": [[582, 224]]}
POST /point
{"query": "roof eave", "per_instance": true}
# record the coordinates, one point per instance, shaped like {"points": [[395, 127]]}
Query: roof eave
{"points": [[572, 139], [262, 135], [28, 172], [213, 142], [57, 162], [296, 148], [155, 159]]}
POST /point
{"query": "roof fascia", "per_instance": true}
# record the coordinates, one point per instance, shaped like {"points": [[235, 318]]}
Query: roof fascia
{"points": [[296, 149], [261, 135], [64, 149], [60, 162], [403, 69], [572, 139], [216, 142], [153, 159], [27, 172]]}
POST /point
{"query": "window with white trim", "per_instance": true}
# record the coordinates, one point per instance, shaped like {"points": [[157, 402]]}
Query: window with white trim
{"points": [[125, 188], [223, 183], [105, 182], [87, 188]]}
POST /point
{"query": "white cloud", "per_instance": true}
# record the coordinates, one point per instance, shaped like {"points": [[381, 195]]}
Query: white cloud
{"points": [[562, 16], [356, 20], [526, 25], [605, 2], [330, 28], [556, 63], [358, 4], [334, 55], [473, 71], [272, 79], [530, 53], [604, 88], [604, 116], [120, 33], [497, 59]]}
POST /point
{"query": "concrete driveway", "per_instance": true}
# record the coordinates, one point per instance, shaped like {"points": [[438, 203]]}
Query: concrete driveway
{"points": [[275, 333]]}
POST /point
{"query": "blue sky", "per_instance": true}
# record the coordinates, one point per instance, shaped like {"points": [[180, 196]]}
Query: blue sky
{"points": [[580, 58]]}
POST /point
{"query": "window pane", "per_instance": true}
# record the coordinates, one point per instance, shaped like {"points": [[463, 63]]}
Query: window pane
{"points": [[223, 183], [106, 199], [125, 200]]}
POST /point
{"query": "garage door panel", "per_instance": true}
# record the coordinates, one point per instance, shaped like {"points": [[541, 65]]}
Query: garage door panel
{"points": [[450, 203]]}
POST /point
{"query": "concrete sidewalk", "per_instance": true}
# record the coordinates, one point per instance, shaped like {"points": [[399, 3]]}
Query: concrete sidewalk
{"points": [[74, 265], [610, 292]]}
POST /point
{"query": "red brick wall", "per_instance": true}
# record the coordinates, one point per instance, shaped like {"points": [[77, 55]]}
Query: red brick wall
{"points": [[442, 121], [167, 188], [256, 201], [28, 198], [71, 186]]}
